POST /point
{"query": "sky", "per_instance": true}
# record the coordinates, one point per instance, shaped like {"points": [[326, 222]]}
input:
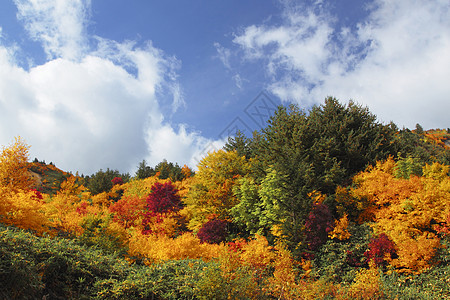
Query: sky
{"points": [[97, 84]]}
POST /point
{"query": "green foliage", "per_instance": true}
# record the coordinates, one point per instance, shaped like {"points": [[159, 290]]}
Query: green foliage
{"points": [[35, 267], [406, 167], [51, 177], [261, 206], [415, 145], [144, 170], [318, 152], [338, 261], [241, 144], [169, 170], [248, 211], [96, 234], [217, 284], [102, 180]]}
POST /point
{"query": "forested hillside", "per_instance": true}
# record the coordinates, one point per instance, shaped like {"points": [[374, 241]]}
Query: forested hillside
{"points": [[321, 204]]}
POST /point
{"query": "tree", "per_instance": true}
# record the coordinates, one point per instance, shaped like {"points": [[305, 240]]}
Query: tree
{"points": [[162, 201], [14, 166], [263, 207], [168, 170], [211, 192], [318, 151], [407, 210], [102, 181], [144, 170], [213, 232], [239, 143]]}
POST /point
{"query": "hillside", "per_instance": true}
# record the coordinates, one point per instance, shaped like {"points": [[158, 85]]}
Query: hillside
{"points": [[324, 204]]}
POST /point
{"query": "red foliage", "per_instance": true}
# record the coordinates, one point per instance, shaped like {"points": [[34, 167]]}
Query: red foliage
{"points": [[37, 194], [236, 245], [213, 232], [317, 226], [380, 248], [127, 210], [163, 199], [82, 209], [445, 228], [117, 180]]}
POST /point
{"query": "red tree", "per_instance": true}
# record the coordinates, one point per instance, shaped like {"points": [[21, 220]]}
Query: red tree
{"points": [[380, 248], [213, 232], [163, 199]]}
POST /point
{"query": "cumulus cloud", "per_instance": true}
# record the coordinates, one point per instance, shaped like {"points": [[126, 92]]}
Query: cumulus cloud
{"points": [[90, 107], [396, 62]]}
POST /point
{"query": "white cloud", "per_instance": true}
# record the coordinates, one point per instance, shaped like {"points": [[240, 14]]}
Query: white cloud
{"points": [[58, 24], [396, 61], [223, 54], [166, 143], [86, 109]]}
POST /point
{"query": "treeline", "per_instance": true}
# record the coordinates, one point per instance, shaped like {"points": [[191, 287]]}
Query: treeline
{"points": [[325, 203]]}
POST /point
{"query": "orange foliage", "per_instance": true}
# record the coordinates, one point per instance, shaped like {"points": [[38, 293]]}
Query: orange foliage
{"points": [[340, 230], [23, 209], [406, 209], [128, 211]]}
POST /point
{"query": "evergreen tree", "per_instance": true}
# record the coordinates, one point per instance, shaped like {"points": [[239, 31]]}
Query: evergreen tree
{"points": [[144, 171]]}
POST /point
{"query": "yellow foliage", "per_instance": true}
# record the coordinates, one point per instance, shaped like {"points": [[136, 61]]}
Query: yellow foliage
{"points": [[22, 209], [211, 189], [415, 253], [159, 248], [66, 210], [340, 230], [436, 171], [18, 205], [316, 196], [168, 225], [366, 284], [257, 253], [141, 187], [283, 284], [14, 167]]}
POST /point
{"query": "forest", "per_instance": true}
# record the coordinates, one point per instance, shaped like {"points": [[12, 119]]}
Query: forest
{"points": [[327, 203]]}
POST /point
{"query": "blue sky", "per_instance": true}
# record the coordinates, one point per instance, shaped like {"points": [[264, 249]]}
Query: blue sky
{"points": [[93, 84]]}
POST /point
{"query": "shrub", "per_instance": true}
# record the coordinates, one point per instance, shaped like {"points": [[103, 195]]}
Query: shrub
{"points": [[381, 250], [213, 232]]}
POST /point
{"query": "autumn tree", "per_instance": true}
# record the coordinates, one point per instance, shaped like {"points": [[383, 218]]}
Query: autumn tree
{"points": [[162, 201], [14, 166], [211, 191], [20, 205]]}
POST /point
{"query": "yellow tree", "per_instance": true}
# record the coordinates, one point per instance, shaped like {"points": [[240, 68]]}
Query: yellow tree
{"points": [[18, 205], [211, 190], [14, 166]]}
